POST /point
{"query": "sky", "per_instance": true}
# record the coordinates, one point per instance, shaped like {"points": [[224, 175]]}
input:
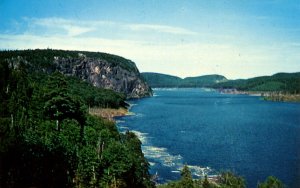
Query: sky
{"points": [[234, 38]]}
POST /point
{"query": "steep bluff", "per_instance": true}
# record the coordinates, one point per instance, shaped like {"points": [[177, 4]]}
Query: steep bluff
{"points": [[100, 69]]}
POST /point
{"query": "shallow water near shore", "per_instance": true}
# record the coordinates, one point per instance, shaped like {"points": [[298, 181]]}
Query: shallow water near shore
{"points": [[212, 132]]}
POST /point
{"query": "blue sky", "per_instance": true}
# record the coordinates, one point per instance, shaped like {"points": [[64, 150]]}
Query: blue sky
{"points": [[235, 38]]}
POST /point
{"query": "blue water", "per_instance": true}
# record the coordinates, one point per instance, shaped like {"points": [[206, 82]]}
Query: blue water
{"points": [[213, 132]]}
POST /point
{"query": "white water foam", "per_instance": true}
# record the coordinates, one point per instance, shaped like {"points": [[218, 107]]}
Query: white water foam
{"points": [[160, 155], [120, 121], [123, 128], [142, 136], [139, 115], [165, 89], [200, 171], [130, 105]]}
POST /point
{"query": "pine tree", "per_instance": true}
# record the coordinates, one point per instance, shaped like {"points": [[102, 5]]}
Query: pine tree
{"points": [[186, 178], [271, 182]]}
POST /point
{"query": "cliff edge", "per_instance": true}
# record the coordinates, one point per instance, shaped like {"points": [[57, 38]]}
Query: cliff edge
{"points": [[100, 69]]}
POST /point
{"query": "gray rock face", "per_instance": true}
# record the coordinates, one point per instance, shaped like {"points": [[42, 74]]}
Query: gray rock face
{"points": [[104, 74]]}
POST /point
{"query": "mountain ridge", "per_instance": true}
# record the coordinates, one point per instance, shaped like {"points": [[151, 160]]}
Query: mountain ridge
{"points": [[165, 80], [284, 82]]}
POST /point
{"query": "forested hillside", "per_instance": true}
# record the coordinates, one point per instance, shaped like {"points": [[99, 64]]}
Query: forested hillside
{"points": [[224, 180], [161, 80], [48, 138], [281, 82], [203, 81], [100, 69], [164, 81]]}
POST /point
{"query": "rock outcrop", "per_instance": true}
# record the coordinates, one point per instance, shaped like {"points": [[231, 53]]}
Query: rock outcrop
{"points": [[104, 74], [100, 69]]}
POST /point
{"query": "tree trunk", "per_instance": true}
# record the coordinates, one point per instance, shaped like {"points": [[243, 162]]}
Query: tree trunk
{"points": [[81, 133], [57, 126]]}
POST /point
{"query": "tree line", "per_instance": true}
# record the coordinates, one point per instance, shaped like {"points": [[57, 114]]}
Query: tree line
{"points": [[48, 139], [224, 180]]}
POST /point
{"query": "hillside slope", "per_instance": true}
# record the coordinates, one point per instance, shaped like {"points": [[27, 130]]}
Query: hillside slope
{"points": [[100, 69], [48, 137], [280, 82], [203, 81], [163, 80]]}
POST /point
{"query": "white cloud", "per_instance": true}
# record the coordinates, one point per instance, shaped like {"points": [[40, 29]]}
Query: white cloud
{"points": [[76, 27], [161, 28], [178, 58], [69, 26]]}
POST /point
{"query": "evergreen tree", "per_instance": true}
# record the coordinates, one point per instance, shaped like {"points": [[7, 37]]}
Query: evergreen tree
{"points": [[60, 104], [230, 180], [186, 180], [206, 183], [271, 182]]}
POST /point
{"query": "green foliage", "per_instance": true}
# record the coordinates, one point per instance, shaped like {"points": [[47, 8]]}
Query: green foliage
{"points": [[206, 183], [96, 97], [85, 151], [59, 104], [202, 81], [225, 180], [186, 180], [271, 182], [269, 86], [163, 80], [281, 82], [228, 179], [42, 60]]}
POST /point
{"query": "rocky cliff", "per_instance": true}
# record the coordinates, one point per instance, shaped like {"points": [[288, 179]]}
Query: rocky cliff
{"points": [[104, 74], [100, 69]]}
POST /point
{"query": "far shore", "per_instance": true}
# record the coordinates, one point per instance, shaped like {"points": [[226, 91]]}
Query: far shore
{"points": [[266, 95]]}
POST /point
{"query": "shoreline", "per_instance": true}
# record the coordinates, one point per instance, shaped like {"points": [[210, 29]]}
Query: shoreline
{"points": [[265, 95], [110, 113]]}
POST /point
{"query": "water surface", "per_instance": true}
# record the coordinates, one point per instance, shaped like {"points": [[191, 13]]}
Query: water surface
{"points": [[212, 132]]}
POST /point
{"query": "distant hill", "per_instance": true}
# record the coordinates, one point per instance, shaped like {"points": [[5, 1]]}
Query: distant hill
{"points": [[164, 80], [161, 80], [285, 82], [203, 81]]}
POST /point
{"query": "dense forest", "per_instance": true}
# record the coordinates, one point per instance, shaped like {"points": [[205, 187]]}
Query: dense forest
{"points": [[280, 82], [48, 138], [42, 60], [161, 80], [224, 180], [100, 69], [157, 80]]}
